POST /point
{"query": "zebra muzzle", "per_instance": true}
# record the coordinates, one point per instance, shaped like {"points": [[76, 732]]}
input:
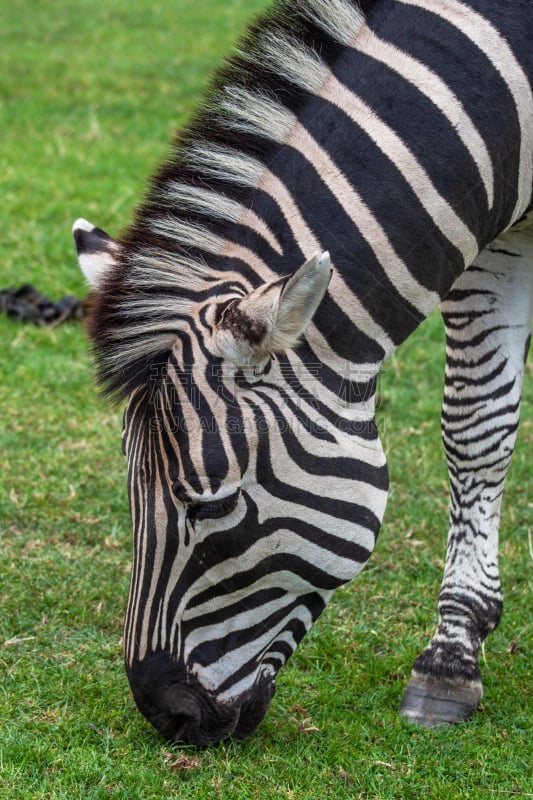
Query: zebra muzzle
{"points": [[184, 711]]}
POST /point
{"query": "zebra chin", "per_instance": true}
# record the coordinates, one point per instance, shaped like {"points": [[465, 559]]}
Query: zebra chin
{"points": [[181, 710]]}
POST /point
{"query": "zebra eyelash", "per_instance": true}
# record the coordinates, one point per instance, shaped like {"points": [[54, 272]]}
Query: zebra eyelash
{"points": [[215, 509], [198, 510]]}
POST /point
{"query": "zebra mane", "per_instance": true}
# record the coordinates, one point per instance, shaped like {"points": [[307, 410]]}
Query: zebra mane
{"points": [[169, 253]]}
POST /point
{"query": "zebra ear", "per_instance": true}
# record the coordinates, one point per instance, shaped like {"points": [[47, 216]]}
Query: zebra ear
{"points": [[97, 252], [271, 318]]}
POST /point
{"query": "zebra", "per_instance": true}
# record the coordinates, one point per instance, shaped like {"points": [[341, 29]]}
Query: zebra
{"points": [[353, 166]]}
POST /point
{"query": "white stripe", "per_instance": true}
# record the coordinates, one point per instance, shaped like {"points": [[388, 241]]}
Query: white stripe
{"points": [[489, 40], [361, 410], [232, 661], [343, 569], [334, 487], [300, 139], [156, 563], [136, 441], [224, 163], [442, 214], [256, 113], [309, 244], [277, 578], [191, 418], [240, 620], [367, 224], [435, 89]]}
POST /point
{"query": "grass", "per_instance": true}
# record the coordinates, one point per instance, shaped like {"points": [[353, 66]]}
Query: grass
{"points": [[89, 94]]}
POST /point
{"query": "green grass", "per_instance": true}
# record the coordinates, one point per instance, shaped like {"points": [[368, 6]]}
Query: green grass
{"points": [[89, 94]]}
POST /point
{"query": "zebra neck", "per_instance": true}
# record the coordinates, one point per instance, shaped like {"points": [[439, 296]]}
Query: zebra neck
{"points": [[402, 214], [372, 144]]}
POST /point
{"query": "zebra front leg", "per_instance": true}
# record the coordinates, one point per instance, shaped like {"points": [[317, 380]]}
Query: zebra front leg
{"points": [[487, 317]]}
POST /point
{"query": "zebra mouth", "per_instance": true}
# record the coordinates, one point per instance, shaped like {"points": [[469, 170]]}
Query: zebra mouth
{"points": [[194, 720], [254, 709], [191, 720], [185, 713]]}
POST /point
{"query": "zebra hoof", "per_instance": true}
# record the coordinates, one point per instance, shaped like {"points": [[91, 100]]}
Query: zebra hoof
{"points": [[434, 702]]}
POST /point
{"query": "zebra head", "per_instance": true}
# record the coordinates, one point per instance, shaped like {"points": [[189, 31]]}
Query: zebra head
{"points": [[250, 503]]}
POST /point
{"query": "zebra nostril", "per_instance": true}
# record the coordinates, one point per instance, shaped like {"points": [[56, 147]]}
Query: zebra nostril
{"points": [[178, 728], [185, 714]]}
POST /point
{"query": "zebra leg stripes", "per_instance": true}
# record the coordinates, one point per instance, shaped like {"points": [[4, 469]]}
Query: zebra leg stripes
{"points": [[488, 322]]}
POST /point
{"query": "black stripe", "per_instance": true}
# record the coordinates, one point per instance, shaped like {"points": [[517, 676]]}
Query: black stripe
{"points": [[478, 380], [514, 20], [470, 75], [342, 509], [209, 651], [313, 603], [320, 464], [350, 252]]}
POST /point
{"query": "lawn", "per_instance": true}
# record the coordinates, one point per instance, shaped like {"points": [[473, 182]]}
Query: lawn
{"points": [[89, 94]]}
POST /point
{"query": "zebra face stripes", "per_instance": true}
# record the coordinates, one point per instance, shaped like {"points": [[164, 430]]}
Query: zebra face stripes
{"points": [[249, 356], [235, 557]]}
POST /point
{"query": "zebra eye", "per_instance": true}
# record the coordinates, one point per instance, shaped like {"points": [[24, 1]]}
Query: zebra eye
{"points": [[216, 509], [180, 492]]}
